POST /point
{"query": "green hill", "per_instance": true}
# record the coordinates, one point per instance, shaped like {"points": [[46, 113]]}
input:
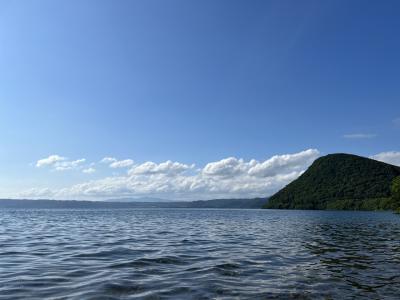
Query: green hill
{"points": [[340, 181]]}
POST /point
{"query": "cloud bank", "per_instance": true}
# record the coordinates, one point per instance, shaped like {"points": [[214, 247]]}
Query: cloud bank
{"points": [[115, 164], [228, 177], [390, 157], [59, 163]]}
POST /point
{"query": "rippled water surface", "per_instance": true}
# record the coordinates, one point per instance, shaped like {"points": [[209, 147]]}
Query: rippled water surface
{"points": [[198, 254]]}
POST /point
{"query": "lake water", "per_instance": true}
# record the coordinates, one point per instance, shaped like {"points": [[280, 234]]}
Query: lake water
{"points": [[198, 254]]}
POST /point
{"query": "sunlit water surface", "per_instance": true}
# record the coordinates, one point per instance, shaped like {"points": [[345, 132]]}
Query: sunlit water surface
{"points": [[198, 254]]}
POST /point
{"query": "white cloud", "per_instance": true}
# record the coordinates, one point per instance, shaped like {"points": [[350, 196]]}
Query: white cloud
{"points": [[229, 177], [230, 166], [278, 164], [89, 170], [48, 161], [108, 160], [396, 122], [115, 163], [390, 157], [68, 165], [121, 163], [281, 164], [59, 163], [151, 168], [359, 136]]}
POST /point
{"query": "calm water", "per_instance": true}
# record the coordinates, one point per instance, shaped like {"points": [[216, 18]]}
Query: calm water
{"points": [[198, 254]]}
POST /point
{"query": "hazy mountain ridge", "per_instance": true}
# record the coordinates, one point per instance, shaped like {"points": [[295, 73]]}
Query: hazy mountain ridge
{"points": [[138, 199], [340, 181], [77, 204]]}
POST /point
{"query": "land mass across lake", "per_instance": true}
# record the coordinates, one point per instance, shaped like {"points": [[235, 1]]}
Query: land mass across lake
{"points": [[342, 182], [75, 204]]}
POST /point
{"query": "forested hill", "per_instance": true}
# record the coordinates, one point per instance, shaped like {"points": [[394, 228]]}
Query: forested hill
{"points": [[340, 181]]}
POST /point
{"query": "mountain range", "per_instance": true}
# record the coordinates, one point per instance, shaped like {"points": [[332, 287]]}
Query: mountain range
{"points": [[75, 204]]}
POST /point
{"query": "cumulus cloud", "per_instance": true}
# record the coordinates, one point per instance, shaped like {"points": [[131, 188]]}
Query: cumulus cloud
{"points": [[228, 177], [89, 170], [281, 164], [151, 168], [48, 161], [59, 163], [278, 164], [121, 163], [230, 166], [108, 160], [359, 136], [390, 157], [115, 163], [68, 165]]}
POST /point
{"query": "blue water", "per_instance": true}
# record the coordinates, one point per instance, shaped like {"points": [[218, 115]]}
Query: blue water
{"points": [[198, 254]]}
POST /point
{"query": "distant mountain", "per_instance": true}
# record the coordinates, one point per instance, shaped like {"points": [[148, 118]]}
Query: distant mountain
{"points": [[226, 203], [72, 204], [139, 199], [340, 181]]}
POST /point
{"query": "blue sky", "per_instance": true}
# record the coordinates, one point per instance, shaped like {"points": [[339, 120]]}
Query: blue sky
{"points": [[194, 83]]}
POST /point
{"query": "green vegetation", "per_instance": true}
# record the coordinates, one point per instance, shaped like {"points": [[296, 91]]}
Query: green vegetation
{"points": [[395, 189], [361, 204], [343, 182]]}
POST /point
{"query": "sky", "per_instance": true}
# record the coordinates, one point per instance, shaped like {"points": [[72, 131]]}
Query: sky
{"points": [[191, 99]]}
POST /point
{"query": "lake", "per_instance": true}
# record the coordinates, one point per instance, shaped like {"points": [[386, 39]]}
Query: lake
{"points": [[198, 254]]}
